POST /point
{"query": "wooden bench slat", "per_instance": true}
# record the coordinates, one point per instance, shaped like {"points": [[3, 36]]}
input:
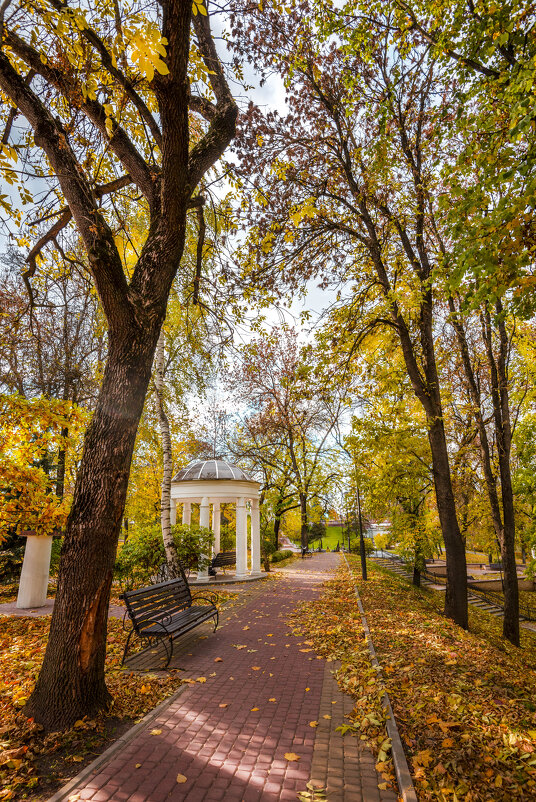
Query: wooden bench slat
{"points": [[165, 610]]}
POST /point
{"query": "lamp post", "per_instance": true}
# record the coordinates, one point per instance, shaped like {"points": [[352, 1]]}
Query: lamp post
{"points": [[361, 539]]}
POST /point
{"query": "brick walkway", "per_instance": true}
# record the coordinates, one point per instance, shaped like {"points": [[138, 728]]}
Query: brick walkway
{"points": [[228, 734]]}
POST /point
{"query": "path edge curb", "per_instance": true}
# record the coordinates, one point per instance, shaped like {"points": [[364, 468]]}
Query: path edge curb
{"points": [[403, 774], [70, 787]]}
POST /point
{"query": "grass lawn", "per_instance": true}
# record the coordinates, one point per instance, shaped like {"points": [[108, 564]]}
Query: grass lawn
{"points": [[465, 702]]}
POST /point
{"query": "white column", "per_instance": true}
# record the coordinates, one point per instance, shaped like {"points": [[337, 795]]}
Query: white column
{"points": [[216, 518], [204, 520], [173, 511], [187, 513], [255, 538], [241, 539], [35, 570]]}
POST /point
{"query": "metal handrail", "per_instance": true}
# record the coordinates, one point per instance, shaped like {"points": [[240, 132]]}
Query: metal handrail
{"points": [[525, 609]]}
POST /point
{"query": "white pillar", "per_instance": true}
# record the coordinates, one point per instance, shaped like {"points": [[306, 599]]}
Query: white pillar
{"points": [[255, 538], [241, 539], [204, 520], [187, 513], [173, 511], [35, 570], [216, 518]]}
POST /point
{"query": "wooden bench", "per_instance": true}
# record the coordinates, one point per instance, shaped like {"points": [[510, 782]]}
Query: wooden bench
{"points": [[165, 611], [221, 560]]}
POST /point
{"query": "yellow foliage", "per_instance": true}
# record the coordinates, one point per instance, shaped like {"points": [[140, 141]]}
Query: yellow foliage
{"points": [[32, 432]]}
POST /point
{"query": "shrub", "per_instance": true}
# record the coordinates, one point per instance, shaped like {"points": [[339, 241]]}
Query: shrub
{"points": [[369, 545], [141, 556], [277, 556]]}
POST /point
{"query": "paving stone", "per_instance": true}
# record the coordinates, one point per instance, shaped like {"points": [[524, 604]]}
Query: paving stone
{"points": [[236, 753]]}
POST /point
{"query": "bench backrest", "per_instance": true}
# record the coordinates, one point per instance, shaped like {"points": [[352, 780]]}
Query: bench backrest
{"points": [[157, 601], [224, 558]]}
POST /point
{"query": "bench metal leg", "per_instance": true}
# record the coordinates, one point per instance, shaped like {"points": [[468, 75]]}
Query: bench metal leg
{"points": [[125, 650]]}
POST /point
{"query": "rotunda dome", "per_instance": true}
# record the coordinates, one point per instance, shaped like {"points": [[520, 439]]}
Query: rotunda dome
{"points": [[211, 469]]}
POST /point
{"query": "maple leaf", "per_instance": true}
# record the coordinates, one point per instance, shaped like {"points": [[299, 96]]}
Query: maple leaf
{"points": [[291, 756]]}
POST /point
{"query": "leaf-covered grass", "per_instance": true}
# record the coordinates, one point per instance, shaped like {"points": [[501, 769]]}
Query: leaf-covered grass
{"points": [[31, 763], [464, 702]]}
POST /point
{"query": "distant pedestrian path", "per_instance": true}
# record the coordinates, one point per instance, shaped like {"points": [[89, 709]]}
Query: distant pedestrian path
{"points": [[240, 729]]}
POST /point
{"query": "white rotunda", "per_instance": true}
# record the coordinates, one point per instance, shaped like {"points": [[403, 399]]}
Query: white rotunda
{"points": [[213, 482]]}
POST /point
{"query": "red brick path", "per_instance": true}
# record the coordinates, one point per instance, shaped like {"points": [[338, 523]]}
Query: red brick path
{"points": [[228, 735]]}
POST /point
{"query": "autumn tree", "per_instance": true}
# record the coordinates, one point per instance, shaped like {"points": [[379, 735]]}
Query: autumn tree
{"points": [[117, 99], [345, 183], [299, 402]]}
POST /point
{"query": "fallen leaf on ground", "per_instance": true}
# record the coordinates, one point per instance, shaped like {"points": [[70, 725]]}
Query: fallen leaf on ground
{"points": [[291, 756], [181, 778], [156, 732]]}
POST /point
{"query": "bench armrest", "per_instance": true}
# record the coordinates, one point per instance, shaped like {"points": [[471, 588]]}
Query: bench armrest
{"points": [[211, 598]]}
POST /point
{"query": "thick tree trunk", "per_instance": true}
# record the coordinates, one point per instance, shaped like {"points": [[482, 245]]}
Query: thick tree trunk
{"points": [[174, 566], [71, 683], [425, 382]]}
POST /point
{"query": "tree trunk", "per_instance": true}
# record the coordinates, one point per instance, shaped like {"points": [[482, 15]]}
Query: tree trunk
{"points": [[71, 682], [277, 526], [174, 566], [304, 531], [60, 470], [456, 590], [505, 528], [501, 415]]}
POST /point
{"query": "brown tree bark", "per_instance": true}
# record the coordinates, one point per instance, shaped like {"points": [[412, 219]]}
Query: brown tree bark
{"points": [[503, 431], [504, 532], [71, 683]]}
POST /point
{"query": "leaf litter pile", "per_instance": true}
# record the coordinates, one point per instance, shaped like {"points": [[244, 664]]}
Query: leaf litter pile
{"points": [[464, 702], [32, 763]]}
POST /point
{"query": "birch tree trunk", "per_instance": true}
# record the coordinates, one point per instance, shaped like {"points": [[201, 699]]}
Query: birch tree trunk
{"points": [[172, 559]]}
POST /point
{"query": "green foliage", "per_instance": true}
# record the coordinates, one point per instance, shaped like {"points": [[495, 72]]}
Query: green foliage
{"points": [[55, 555], [227, 537], [317, 531], [278, 556], [369, 545], [142, 555]]}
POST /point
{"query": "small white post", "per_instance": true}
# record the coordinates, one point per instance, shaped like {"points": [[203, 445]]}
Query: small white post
{"points": [[216, 518], [35, 571], [204, 520], [241, 539], [172, 511], [255, 538], [187, 513]]}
